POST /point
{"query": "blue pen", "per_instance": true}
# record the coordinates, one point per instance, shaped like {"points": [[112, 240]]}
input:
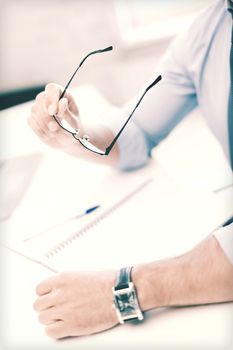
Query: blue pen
{"points": [[87, 211], [77, 216]]}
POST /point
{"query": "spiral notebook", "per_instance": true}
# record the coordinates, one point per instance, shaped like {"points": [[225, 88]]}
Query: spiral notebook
{"points": [[149, 220]]}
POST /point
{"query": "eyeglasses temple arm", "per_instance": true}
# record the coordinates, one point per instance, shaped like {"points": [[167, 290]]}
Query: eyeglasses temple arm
{"points": [[108, 149], [109, 48]]}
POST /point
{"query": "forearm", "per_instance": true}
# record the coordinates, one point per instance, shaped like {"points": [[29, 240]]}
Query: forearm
{"points": [[203, 275], [80, 303]]}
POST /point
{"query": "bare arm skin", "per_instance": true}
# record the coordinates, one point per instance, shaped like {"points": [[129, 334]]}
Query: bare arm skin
{"points": [[201, 276], [80, 303]]}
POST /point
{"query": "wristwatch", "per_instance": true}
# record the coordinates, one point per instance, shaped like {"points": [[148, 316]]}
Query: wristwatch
{"points": [[125, 299]]}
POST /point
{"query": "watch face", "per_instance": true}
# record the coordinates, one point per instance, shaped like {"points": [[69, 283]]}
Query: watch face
{"points": [[126, 305], [126, 302]]}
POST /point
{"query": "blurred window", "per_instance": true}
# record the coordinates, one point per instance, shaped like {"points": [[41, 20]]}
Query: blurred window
{"points": [[144, 21]]}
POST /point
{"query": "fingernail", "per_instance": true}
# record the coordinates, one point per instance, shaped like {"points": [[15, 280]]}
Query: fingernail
{"points": [[51, 109]]}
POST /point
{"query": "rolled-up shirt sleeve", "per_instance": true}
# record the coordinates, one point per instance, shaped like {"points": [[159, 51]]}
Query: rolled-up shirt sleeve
{"points": [[162, 108], [167, 103], [224, 235]]}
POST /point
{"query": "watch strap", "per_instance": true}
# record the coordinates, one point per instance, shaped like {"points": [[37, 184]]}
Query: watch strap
{"points": [[123, 278]]}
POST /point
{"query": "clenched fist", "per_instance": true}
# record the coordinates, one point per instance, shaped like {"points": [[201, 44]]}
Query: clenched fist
{"points": [[76, 303]]}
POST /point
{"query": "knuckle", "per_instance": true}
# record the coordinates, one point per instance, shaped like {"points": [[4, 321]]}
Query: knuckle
{"points": [[63, 276], [51, 332]]}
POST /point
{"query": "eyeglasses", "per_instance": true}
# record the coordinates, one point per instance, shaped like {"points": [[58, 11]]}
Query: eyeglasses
{"points": [[84, 140]]}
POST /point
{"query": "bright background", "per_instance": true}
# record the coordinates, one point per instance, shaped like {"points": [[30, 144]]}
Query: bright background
{"points": [[43, 41]]}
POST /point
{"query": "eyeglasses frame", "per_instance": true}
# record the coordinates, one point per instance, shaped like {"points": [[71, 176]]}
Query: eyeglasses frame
{"points": [[84, 141]]}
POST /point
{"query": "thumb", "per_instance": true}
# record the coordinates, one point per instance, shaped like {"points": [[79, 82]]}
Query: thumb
{"points": [[65, 113]]}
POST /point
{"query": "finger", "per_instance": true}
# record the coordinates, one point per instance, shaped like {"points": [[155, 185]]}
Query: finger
{"points": [[36, 128], [62, 106], [53, 92], [40, 113], [45, 301], [50, 137], [41, 100], [41, 108], [42, 118], [53, 126], [48, 316], [57, 330], [47, 285], [65, 113]]}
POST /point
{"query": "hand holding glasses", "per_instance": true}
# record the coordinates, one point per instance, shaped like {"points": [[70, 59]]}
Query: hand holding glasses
{"points": [[85, 142]]}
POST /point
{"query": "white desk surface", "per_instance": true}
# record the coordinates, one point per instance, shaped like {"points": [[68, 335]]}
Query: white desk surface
{"points": [[202, 327]]}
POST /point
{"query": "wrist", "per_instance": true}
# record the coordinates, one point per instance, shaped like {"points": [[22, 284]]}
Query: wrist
{"points": [[152, 288], [141, 280]]}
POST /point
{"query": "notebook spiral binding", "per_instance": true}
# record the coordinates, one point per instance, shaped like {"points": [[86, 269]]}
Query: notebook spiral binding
{"points": [[58, 248]]}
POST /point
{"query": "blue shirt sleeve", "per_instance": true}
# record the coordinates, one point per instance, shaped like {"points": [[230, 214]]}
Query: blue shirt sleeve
{"points": [[161, 110]]}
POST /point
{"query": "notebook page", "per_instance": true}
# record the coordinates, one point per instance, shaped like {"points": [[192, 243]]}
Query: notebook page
{"points": [[159, 221], [109, 188]]}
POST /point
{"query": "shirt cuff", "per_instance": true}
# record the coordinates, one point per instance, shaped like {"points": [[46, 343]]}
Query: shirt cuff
{"points": [[224, 235], [134, 150]]}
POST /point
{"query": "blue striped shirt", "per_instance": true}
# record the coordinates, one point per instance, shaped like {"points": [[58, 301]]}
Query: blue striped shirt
{"points": [[196, 72]]}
